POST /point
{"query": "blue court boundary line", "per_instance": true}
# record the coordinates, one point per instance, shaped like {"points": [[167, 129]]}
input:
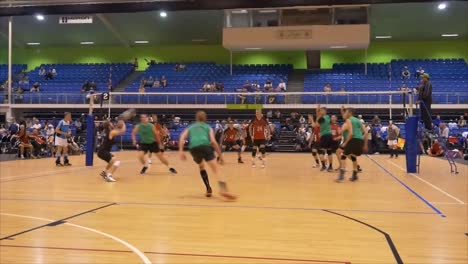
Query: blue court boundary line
{"points": [[224, 206], [408, 188]]}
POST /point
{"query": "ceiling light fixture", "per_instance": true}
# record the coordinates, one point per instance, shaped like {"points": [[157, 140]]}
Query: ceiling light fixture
{"points": [[33, 43], [267, 11], [40, 17], [199, 40], [163, 14], [243, 11], [442, 6], [338, 47], [253, 48], [383, 37], [86, 43], [449, 35], [141, 42]]}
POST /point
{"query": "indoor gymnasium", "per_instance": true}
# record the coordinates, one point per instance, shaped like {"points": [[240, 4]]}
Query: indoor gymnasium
{"points": [[233, 131]]}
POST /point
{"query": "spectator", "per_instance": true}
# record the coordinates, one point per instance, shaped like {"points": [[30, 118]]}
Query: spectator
{"points": [[93, 86], [268, 85], [437, 121], [78, 125], [163, 81], [206, 87], [419, 72], [243, 96], [182, 67], [269, 114], [461, 122], [281, 86], [361, 119], [109, 85], [302, 120], [135, 63], [247, 86], [327, 88], [48, 75], [24, 142], [405, 73], [435, 150], [42, 71], [85, 87], [444, 131], [342, 90], [376, 121], [278, 114], [53, 71], [254, 87], [271, 98], [176, 67], [219, 86], [149, 82], [38, 142], [425, 96], [142, 89], [36, 124], [36, 87], [156, 83]]}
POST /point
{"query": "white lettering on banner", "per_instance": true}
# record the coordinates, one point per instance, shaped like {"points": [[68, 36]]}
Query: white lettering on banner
{"points": [[294, 34], [76, 20]]}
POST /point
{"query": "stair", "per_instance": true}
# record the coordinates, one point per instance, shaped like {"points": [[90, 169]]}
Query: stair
{"points": [[130, 78], [286, 142], [295, 84]]}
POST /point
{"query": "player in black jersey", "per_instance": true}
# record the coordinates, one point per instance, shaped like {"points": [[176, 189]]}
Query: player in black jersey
{"points": [[104, 151]]}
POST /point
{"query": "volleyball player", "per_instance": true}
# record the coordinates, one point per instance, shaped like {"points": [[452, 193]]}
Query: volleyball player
{"points": [[148, 144], [326, 138], [260, 133], [104, 151], [314, 140], [202, 145], [159, 136], [354, 143], [62, 133], [336, 137], [232, 139]]}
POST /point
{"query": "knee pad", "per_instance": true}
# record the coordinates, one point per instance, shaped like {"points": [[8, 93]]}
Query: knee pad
{"points": [[314, 154], [343, 157], [353, 158], [116, 163], [262, 149], [254, 152], [321, 152], [329, 152]]}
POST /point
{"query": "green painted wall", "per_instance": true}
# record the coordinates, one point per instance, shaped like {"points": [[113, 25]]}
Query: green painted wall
{"points": [[379, 51]]}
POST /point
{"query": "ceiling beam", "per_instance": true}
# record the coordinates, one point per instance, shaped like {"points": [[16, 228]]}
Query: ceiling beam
{"points": [[113, 30]]}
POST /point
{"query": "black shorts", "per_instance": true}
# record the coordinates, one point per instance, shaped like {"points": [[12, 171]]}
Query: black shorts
{"points": [[354, 147], [151, 148], [105, 155], [258, 142], [315, 145], [230, 144], [248, 141], [326, 142], [335, 145], [202, 153]]}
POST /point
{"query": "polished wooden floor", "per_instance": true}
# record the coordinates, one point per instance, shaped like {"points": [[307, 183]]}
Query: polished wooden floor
{"points": [[286, 213]]}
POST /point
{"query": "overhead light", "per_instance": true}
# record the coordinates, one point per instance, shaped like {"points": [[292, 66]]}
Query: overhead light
{"points": [[253, 48], [442, 6], [163, 14], [86, 43], [40, 17], [383, 37], [141, 41], [338, 47], [243, 11], [449, 35], [199, 40], [267, 11], [33, 43]]}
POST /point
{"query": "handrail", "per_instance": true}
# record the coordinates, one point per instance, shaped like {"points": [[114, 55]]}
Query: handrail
{"points": [[261, 93]]}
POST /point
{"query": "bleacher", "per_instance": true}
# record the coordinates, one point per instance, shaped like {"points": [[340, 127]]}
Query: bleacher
{"points": [[447, 75], [196, 74], [70, 78]]}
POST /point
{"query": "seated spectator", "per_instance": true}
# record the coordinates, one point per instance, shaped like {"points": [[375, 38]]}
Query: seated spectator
{"points": [[268, 85], [163, 81], [444, 130], [419, 72], [405, 73], [142, 89], [219, 86], [149, 82], [42, 71], [461, 122], [85, 87], [53, 71], [182, 67], [243, 97], [437, 121], [48, 75], [404, 88], [19, 90], [254, 86], [176, 67], [36, 87], [281, 86], [24, 142], [78, 125], [247, 86], [156, 83], [38, 142], [342, 90], [93, 86], [24, 79], [435, 150], [327, 88], [36, 124], [206, 87]]}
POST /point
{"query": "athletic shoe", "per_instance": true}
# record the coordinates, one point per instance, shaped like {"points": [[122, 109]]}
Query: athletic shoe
{"points": [[359, 168], [58, 163], [340, 176], [209, 192], [253, 165], [354, 177], [66, 163], [21, 157], [323, 168], [173, 171], [143, 170], [228, 195], [103, 174], [109, 178], [330, 169], [239, 160]]}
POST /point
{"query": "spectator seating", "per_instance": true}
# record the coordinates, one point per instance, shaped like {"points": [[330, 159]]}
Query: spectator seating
{"points": [[16, 68], [447, 75]]}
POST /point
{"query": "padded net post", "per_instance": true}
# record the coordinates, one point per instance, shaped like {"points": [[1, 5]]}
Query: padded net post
{"points": [[411, 144], [89, 139]]}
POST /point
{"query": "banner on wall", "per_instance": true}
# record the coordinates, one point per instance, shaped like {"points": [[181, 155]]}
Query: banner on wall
{"points": [[75, 20]]}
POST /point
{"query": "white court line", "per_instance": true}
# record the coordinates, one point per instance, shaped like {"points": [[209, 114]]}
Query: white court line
{"points": [[428, 183], [126, 244], [445, 203]]}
